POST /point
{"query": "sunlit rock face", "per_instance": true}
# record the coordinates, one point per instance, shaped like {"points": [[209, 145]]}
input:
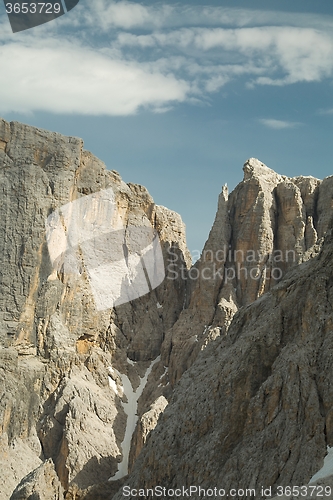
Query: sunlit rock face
{"points": [[65, 221], [121, 263], [42, 483], [102, 314], [268, 224]]}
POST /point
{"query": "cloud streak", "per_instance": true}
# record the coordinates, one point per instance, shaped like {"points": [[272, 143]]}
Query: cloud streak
{"points": [[127, 15], [328, 111], [278, 124], [286, 54], [125, 57]]}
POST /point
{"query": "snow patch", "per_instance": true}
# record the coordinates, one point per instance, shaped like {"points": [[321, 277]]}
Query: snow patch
{"points": [[130, 408], [327, 468], [165, 370], [113, 385], [163, 374]]}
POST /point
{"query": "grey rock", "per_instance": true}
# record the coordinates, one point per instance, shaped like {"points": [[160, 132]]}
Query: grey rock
{"points": [[55, 345], [255, 408], [146, 424], [232, 342], [20, 448], [266, 226], [40, 484]]}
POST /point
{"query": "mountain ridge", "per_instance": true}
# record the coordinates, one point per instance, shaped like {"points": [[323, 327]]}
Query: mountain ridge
{"points": [[63, 363]]}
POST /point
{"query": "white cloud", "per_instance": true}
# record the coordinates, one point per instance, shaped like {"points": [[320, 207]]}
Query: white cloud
{"points": [[126, 15], [278, 124], [68, 79], [328, 111], [300, 54], [126, 56]]}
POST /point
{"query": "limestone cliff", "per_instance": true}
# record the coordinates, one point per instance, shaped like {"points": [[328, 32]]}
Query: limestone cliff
{"points": [[58, 399], [255, 408], [83, 387], [267, 225]]}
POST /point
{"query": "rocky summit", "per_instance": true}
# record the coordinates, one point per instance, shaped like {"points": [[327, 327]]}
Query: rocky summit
{"points": [[127, 370]]}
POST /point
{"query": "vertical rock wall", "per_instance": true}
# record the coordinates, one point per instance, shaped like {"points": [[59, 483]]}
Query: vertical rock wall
{"points": [[269, 224], [49, 320], [60, 400]]}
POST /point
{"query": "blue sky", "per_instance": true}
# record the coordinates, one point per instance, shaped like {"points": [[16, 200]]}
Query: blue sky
{"points": [[177, 95]]}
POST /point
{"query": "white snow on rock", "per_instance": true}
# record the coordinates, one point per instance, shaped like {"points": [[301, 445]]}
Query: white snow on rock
{"points": [[130, 409], [327, 468], [113, 385], [163, 374]]}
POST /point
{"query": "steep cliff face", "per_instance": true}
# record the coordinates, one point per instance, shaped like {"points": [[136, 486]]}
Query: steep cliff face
{"points": [[83, 384], [255, 408], [42, 484], [58, 397], [41, 172], [267, 225], [20, 448]]}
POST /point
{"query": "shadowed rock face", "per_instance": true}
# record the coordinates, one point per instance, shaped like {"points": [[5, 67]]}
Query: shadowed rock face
{"points": [[256, 399], [255, 408]]}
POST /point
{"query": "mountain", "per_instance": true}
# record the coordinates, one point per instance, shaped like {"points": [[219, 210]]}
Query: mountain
{"points": [[215, 375], [255, 408], [57, 398], [269, 224]]}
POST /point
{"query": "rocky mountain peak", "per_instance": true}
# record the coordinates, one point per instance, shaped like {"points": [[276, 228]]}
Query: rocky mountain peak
{"points": [[255, 168], [90, 394]]}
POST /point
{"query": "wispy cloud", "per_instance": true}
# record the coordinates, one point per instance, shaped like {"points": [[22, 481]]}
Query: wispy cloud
{"points": [[285, 54], [278, 124], [127, 15], [118, 57], [328, 111]]}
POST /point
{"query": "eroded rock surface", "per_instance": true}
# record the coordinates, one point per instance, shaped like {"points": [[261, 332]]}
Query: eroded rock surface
{"points": [[56, 346], [65, 362], [20, 448], [269, 224], [146, 424], [41, 484], [255, 408]]}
